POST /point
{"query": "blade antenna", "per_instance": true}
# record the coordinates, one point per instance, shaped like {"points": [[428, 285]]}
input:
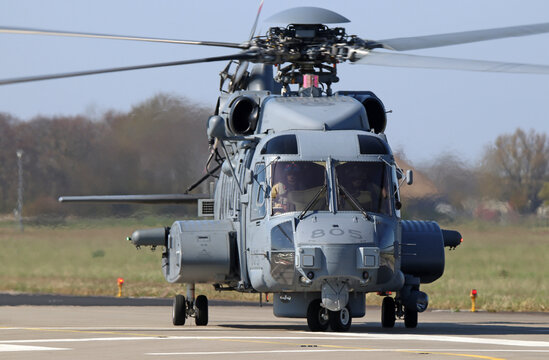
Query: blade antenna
{"points": [[252, 32]]}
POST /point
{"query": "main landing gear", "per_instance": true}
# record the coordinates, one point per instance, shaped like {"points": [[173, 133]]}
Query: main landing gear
{"points": [[391, 309], [190, 307], [320, 318]]}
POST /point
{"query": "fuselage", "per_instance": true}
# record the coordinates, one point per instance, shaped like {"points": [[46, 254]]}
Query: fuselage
{"points": [[318, 208]]}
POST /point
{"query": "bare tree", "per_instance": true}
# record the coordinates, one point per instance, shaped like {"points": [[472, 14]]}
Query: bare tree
{"points": [[455, 180], [544, 193], [515, 168]]}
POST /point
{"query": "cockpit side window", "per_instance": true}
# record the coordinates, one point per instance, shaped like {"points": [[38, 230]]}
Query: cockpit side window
{"points": [[283, 144], [258, 192], [298, 185], [366, 183]]}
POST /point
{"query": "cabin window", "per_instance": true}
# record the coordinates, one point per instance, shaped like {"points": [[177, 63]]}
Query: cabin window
{"points": [[224, 196], [371, 145], [363, 185], [258, 192], [283, 144], [296, 185]]}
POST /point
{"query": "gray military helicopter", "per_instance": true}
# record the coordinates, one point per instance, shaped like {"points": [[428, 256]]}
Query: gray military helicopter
{"points": [[306, 204]]}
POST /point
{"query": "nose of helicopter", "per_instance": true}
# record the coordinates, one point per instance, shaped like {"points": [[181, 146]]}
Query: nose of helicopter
{"points": [[334, 254], [338, 252]]}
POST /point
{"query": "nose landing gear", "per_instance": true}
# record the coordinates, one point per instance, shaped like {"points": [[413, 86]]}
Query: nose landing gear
{"points": [[317, 316], [320, 318]]}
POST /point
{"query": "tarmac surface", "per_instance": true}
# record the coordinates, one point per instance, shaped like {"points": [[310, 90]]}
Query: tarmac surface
{"points": [[240, 331]]}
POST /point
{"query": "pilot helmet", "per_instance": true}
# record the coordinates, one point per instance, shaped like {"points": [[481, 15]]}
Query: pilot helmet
{"points": [[291, 169]]}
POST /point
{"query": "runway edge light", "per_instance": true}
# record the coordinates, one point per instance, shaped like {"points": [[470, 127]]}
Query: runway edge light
{"points": [[120, 284], [473, 300]]}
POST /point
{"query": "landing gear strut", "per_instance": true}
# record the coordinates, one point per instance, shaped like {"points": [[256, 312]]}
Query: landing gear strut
{"points": [[184, 308]]}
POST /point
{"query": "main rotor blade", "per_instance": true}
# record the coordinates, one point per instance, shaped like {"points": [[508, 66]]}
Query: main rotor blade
{"points": [[431, 62], [240, 56], [28, 31], [430, 41], [135, 199]]}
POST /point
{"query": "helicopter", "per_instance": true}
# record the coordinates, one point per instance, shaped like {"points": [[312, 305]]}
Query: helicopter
{"points": [[306, 203]]}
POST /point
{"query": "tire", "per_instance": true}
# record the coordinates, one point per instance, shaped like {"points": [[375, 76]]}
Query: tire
{"points": [[201, 313], [317, 317], [410, 318], [179, 310], [341, 320], [388, 312]]}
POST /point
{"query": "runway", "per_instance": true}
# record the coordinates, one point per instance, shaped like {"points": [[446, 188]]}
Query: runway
{"points": [[251, 332]]}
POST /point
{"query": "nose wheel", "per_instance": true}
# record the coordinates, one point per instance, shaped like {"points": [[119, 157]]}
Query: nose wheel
{"points": [[320, 318], [183, 308], [340, 320], [317, 316]]}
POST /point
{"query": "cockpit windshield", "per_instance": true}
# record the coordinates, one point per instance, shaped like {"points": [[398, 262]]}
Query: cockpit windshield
{"points": [[363, 186], [297, 186]]}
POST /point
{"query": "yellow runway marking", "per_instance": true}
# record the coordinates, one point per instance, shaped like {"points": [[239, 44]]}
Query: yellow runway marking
{"points": [[364, 349]]}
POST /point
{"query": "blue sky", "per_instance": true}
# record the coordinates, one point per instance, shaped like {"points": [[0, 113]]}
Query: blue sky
{"points": [[433, 110]]}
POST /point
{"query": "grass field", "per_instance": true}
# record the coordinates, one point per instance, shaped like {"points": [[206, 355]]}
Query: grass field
{"points": [[507, 265]]}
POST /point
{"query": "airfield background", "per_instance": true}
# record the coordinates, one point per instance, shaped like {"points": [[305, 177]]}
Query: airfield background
{"points": [[79, 250]]}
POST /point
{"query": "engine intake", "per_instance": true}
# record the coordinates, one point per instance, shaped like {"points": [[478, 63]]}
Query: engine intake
{"points": [[375, 110], [376, 114], [243, 116]]}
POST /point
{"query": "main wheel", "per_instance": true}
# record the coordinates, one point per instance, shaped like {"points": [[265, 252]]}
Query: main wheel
{"points": [[201, 313], [410, 318], [179, 310], [340, 320], [388, 312], [317, 316]]}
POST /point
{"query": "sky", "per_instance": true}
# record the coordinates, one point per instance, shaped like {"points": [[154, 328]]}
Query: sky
{"points": [[433, 111]]}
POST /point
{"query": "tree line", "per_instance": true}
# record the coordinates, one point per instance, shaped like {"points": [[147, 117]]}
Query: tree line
{"points": [[160, 146], [513, 175]]}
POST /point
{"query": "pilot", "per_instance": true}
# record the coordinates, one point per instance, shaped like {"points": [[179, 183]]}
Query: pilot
{"points": [[362, 188], [280, 191]]}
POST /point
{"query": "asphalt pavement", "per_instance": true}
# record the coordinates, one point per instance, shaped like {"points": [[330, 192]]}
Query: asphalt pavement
{"points": [[251, 332]]}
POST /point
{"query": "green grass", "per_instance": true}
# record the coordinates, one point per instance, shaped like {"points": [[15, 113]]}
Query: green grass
{"points": [[506, 264]]}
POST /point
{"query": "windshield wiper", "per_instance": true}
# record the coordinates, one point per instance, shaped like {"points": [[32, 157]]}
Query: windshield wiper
{"points": [[355, 202], [312, 202]]}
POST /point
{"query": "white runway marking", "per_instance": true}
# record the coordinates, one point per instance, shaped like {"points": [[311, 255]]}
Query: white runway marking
{"points": [[13, 348], [334, 336], [456, 339]]}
